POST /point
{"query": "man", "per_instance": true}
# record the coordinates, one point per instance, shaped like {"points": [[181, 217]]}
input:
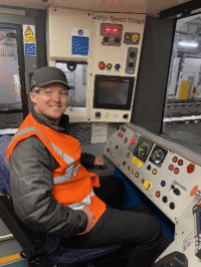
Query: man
{"points": [[52, 190]]}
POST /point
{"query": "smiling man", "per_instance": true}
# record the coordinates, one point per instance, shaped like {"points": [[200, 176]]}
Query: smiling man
{"points": [[54, 193]]}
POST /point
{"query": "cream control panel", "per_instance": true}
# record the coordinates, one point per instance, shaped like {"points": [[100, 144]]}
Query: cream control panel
{"points": [[164, 171]]}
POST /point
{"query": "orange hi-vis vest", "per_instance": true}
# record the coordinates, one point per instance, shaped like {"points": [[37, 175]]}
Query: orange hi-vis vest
{"points": [[72, 183]]}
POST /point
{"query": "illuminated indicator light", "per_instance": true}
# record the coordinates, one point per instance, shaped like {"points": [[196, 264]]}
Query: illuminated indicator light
{"points": [[154, 171], [180, 162], [101, 65], [176, 170], [107, 29], [137, 175], [129, 168], [124, 163], [194, 190], [135, 38], [132, 140], [117, 66], [142, 181], [128, 155], [190, 168], [109, 66], [171, 167], [163, 183], [158, 194], [175, 159], [115, 30], [132, 171]]}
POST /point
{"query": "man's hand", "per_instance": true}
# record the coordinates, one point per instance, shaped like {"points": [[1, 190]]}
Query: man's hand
{"points": [[99, 161], [90, 218]]}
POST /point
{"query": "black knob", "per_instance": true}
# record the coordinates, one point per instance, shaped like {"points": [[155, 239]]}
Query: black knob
{"points": [[106, 39], [125, 116], [172, 205], [149, 167], [164, 199], [130, 64], [172, 186], [176, 191], [98, 114], [117, 40], [132, 54]]}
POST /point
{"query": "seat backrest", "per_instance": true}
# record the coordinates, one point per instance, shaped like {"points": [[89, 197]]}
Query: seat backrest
{"points": [[26, 237]]}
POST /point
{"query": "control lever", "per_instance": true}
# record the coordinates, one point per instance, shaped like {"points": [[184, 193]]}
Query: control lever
{"points": [[174, 259]]}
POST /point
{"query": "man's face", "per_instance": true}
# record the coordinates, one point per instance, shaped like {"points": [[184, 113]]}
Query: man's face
{"points": [[51, 101]]}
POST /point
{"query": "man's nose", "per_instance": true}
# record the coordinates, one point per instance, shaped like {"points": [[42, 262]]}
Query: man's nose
{"points": [[56, 96]]}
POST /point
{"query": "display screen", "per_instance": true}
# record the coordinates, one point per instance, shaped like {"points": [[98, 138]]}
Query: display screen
{"points": [[113, 92]]}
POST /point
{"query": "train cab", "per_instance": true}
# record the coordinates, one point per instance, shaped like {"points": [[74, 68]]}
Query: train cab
{"points": [[134, 72]]}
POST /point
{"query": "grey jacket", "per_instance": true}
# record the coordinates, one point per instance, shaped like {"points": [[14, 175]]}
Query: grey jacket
{"points": [[31, 166]]}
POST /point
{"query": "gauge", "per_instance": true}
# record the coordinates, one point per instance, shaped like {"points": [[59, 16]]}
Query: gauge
{"points": [[143, 149], [157, 156]]}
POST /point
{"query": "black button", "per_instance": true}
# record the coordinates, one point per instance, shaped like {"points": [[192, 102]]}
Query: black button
{"points": [[130, 64], [98, 114], [132, 54], [172, 205], [164, 199], [106, 39], [125, 116], [117, 40], [149, 167], [176, 191]]}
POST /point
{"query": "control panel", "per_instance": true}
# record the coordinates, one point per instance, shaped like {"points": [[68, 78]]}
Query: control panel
{"points": [[162, 170]]}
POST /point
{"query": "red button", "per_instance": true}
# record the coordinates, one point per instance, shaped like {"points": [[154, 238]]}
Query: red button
{"points": [[176, 170], [175, 159], [124, 163], [180, 162], [190, 168], [101, 65], [171, 167], [129, 168], [132, 140], [142, 181], [158, 194]]}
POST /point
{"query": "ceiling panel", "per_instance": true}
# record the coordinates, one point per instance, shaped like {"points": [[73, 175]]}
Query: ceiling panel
{"points": [[134, 6]]}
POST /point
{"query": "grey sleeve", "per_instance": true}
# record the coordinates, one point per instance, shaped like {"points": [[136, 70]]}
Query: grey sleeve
{"points": [[31, 186]]}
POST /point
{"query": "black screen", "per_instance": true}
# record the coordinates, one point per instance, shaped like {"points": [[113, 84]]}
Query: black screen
{"points": [[113, 92]]}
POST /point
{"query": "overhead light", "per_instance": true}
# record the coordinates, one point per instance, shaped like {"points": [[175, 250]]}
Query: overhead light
{"points": [[188, 44]]}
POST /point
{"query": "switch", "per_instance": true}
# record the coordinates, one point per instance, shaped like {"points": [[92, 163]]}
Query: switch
{"points": [[176, 191]]}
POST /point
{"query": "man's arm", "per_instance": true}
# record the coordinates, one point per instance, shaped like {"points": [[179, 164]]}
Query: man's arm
{"points": [[31, 183]]}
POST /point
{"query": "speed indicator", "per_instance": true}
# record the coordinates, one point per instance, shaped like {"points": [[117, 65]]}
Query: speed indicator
{"points": [[143, 149]]}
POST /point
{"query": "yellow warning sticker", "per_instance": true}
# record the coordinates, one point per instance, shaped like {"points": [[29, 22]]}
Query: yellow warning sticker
{"points": [[29, 34], [135, 161]]}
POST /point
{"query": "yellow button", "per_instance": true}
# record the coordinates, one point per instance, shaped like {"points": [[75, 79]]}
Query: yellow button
{"points": [[135, 37], [137, 174], [154, 171], [128, 155], [127, 37], [109, 66], [132, 171], [147, 185], [135, 161]]}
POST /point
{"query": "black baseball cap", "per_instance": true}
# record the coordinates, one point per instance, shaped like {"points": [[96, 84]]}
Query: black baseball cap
{"points": [[48, 75]]}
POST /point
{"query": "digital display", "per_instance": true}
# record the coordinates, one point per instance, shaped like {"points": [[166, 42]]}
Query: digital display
{"points": [[113, 92]]}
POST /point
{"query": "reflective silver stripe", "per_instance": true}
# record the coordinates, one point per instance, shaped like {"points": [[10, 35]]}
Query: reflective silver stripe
{"points": [[85, 201], [67, 158], [70, 173], [23, 131]]}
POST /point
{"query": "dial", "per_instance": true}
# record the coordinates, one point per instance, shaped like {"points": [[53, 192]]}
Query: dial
{"points": [[158, 156], [143, 149]]}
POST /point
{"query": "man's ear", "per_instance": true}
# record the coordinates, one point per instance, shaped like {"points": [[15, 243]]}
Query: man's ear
{"points": [[32, 97]]}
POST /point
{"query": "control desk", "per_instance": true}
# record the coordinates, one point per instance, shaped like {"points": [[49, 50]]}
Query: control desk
{"points": [[169, 175]]}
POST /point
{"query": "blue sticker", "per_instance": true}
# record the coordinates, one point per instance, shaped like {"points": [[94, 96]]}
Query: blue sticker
{"points": [[30, 49], [80, 45]]}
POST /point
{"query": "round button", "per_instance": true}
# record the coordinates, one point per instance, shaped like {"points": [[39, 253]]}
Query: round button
{"points": [[129, 168], [124, 163], [109, 66], [171, 167], [175, 159], [163, 183], [132, 140], [117, 66], [176, 170], [165, 199], [132, 171], [106, 39], [135, 37], [154, 171], [137, 174], [101, 65], [180, 162], [158, 194], [128, 155], [116, 147], [132, 54], [172, 205], [108, 150], [127, 37], [130, 64], [149, 167]]}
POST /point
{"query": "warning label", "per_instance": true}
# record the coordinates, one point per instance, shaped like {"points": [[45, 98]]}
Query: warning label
{"points": [[29, 40]]}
